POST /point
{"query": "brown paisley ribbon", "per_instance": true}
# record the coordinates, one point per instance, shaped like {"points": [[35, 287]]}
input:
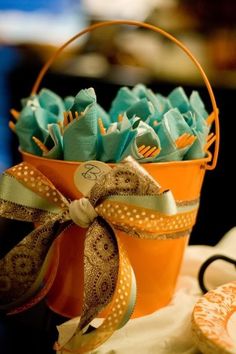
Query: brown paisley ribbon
{"points": [[116, 202]]}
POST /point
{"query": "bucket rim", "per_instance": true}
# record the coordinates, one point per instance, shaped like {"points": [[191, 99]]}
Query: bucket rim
{"points": [[203, 161]]}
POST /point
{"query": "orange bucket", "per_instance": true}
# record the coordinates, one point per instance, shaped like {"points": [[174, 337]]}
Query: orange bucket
{"points": [[156, 263]]}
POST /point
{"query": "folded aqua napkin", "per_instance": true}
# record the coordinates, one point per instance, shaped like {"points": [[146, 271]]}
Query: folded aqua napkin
{"points": [[142, 91], [80, 135], [178, 99], [124, 99], [114, 142], [33, 122], [144, 135], [140, 122], [201, 131], [38, 111], [68, 102], [54, 143], [197, 105], [169, 130], [51, 102], [143, 109]]}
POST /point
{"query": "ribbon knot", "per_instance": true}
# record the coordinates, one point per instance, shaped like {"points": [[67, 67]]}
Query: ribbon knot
{"points": [[82, 212], [127, 199]]}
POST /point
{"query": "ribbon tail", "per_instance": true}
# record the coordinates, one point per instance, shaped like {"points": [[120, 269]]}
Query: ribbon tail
{"points": [[108, 281], [23, 269]]}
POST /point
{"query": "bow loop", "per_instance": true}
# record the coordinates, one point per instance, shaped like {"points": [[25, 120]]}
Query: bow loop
{"points": [[125, 198]]}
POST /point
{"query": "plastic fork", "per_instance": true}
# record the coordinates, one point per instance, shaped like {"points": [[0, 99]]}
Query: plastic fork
{"points": [[184, 140], [101, 126], [69, 117], [120, 118], [40, 144], [149, 151], [15, 115]]}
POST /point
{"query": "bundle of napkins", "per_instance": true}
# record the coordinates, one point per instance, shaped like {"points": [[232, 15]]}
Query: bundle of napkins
{"points": [[146, 125]]}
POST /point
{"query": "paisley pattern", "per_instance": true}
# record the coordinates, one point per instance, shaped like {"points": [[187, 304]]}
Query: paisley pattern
{"points": [[20, 268], [125, 179], [209, 320], [23, 213], [108, 275], [101, 267]]}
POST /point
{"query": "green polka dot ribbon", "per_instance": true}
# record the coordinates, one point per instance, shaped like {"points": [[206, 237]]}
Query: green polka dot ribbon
{"points": [[126, 198]]}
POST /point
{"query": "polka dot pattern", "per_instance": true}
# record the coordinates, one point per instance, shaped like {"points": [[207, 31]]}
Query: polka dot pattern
{"points": [[146, 220], [123, 215], [37, 182]]}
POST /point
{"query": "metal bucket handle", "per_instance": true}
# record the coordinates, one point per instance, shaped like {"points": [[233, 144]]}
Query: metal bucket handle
{"points": [[95, 26]]}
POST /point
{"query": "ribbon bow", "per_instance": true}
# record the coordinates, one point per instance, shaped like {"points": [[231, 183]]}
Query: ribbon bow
{"points": [[126, 198]]}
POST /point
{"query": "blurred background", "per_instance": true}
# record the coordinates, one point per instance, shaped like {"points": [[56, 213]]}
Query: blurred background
{"points": [[30, 31], [106, 59], [111, 57]]}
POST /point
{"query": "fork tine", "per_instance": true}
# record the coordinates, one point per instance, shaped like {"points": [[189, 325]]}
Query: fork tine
{"points": [[185, 140], [120, 118], [60, 124], [65, 120], [40, 144], [101, 126], [12, 126], [155, 153], [141, 148], [190, 140], [15, 113], [146, 149], [180, 139], [70, 116], [149, 152]]}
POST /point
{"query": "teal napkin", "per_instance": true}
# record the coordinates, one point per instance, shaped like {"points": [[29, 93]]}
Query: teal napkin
{"points": [[81, 135], [51, 102], [68, 102], [26, 127], [197, 105], [143, 135], [83, 99], [172, 126], [54, 143], [201, 131], [142, 91], [33, 121], [199, 126], [114, 142], [163, 103], [190, 119], [101, 113], [38, 112], [147, 118], [142, 109], [86, 97], [178, 99], [124, 99]]}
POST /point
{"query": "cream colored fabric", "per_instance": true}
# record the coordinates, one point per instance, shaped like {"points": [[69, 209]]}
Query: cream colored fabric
{"points": [[168, 331]]}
